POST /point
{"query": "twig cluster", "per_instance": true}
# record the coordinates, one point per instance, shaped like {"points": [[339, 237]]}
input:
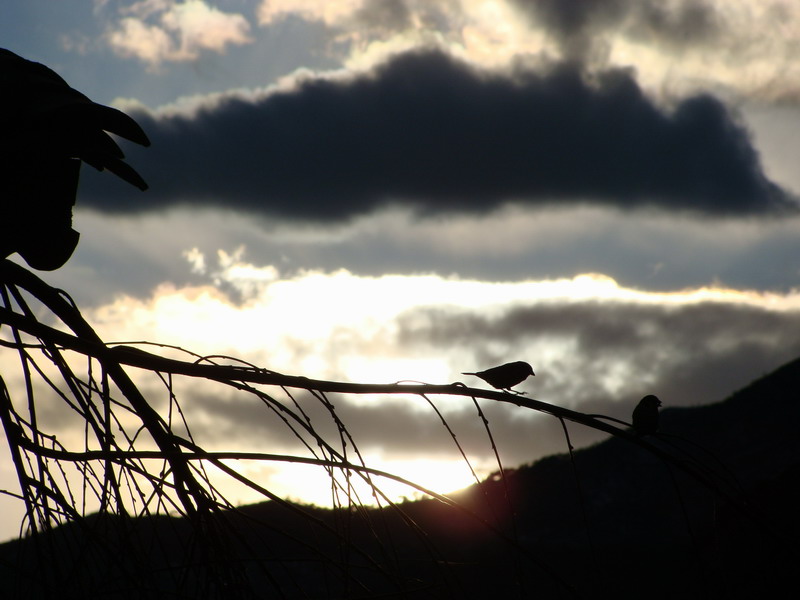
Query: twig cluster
{"points": [[136, 461]]}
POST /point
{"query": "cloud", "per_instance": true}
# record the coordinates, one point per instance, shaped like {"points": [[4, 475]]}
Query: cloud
{"points": [[580, 24], [155, 31], [361, 33], [392, 15], [602, 356], [595, 346], [329, 11], [435, 134], [647, 251], [386, 15], [574, 23], [746, 47], [149, 43]]}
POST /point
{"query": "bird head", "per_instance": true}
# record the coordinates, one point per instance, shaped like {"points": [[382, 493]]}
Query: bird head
{"points": [[530, 368], [651, 400]]}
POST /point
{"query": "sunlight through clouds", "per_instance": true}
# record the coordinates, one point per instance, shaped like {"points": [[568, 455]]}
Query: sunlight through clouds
{"points": [[312, 485], [676, 47], [348, 326]]}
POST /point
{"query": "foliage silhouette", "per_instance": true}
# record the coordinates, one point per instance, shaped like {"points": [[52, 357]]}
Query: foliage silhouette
{"points": [[48, 129]]}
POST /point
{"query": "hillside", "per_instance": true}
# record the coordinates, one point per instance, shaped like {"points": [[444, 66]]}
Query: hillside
{"points": [[616, 521]]}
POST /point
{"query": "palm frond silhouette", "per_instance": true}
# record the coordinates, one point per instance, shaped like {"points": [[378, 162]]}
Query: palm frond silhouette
{"points": [[48, 129]]}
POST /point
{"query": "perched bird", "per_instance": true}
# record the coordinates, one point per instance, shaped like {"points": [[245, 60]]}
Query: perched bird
{"points": [[645, 415], [47, 129], [505, 376]]}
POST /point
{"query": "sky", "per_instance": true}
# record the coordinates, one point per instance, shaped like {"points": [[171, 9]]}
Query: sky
{"points": [[384, 190]]}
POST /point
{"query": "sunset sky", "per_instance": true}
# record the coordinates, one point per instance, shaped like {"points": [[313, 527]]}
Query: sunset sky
{"points": [[384, 190]]}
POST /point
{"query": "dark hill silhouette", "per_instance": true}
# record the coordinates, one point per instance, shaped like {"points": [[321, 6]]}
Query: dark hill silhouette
{"points": [[613, 521]]}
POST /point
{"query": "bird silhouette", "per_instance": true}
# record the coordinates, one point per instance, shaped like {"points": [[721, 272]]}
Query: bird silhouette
{"points": [[505, 376], [645, 415], [47, 129]]}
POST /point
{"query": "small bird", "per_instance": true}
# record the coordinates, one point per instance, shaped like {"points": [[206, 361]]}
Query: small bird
{"points": [[505, 376], [645, 415]]}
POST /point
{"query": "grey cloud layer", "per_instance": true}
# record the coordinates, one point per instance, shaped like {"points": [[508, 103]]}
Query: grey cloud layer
{"points": [[602, 358], [579, 24], [611, 354], [429, 132]]}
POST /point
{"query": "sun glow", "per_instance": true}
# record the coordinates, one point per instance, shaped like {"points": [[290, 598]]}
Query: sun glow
{"points": [[345, 326], [311, 484]]}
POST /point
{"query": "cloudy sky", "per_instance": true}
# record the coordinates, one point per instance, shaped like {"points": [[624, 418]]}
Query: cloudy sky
{"points": [[382, 190]]}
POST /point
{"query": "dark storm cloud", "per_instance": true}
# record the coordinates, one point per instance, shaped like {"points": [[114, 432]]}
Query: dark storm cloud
{"points": [[690, 23], [578, 25], [429, 132]]}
